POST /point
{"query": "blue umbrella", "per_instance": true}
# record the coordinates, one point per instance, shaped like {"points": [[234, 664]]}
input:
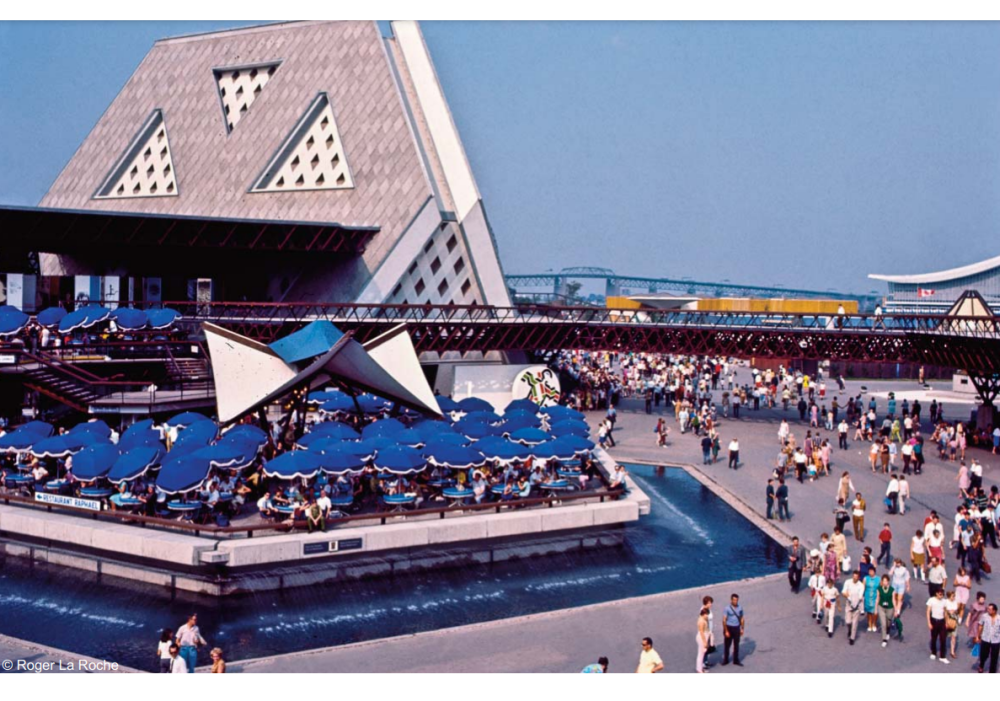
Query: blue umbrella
{"points": [[93, 426], [455, 457], [247, 432], [431, 429], [511, 452], [446, 439], [140, 425], [162, 318], [320, 396], [296, 464], [337, 461], [335, 429], [487, 444], [578, 444], [133, 438], [185, 419], [94, 462], [183, 474], [471, 404], [520, 420], [447, 404], [559, 413], [407, 437], [18, 440], [135, 463], [56, 447], [521, 405], [232, 455], [7, 308], [490, 417], [367, 448], [84, 318], [338, 403], [477, 429], [51, 316], [383, 427], [129, 319], [553, 449], [194, 437], [570, 426], [39, 428], [400, 460], [12, 322], [529, 436], [371, 404]]}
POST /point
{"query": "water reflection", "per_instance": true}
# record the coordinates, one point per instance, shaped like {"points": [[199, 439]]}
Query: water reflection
{"points": [[691, 538]]}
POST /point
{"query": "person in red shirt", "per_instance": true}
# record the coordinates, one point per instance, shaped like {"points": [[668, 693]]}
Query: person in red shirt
{"points": [[885, 541]]}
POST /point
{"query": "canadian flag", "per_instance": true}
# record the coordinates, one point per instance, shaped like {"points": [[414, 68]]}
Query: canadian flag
{"points": [[921, 292]]}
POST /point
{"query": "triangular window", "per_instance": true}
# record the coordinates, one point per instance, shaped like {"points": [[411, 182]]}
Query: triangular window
{"points": [[239, 88], [146, 168]]}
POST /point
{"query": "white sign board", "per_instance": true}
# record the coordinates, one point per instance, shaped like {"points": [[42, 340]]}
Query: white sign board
{"points": [[539, 383], [61, 500]]}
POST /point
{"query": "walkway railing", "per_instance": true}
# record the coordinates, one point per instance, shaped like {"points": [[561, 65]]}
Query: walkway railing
{"points": [[279, 527]]}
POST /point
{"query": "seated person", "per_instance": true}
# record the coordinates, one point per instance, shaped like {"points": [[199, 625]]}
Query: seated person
{"points": [[343, 486], [125, 491], [213, 496], [266, 506], [523, 488], [479, 488], [228, 485], [508, 491], [148, 499], [240, 494], [325, 505], [315, 517], [618, 478], [39, 473]]}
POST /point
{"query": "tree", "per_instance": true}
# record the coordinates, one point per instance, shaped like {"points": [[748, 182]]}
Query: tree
{"points": [[572, 288]]}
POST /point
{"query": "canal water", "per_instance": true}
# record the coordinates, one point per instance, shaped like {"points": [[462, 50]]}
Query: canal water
{"points": [[691, 538]]}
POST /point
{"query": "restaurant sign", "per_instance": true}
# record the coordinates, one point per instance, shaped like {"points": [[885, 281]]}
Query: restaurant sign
{"points": [[62, 500]]}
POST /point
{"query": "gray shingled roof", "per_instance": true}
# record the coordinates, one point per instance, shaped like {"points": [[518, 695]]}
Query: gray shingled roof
{"points": [[215, 169]]}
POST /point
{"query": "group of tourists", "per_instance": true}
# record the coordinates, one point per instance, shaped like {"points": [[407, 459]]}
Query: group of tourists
{"points": [[177, 653]]}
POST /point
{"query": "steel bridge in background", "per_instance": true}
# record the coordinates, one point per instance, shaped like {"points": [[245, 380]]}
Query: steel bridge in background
{"points": [[967, 343], [558, 282]]}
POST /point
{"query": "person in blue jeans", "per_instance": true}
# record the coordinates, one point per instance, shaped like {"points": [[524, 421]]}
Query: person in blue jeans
{"points": [[189, 639]]}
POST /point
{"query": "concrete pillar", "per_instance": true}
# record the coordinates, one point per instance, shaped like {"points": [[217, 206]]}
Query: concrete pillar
{"points": [[560, 288], [612, 288]]}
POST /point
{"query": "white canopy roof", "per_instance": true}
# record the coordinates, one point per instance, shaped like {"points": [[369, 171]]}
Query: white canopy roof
{"points": [[944, 275]]}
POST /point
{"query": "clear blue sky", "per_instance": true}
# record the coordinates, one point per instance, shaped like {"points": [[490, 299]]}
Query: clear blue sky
{"points": [[797, 154]]}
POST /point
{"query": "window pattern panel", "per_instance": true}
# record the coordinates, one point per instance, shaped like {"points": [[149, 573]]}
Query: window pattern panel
{"points": [[239, 88], [146, 169], [440, 274], [312, 157]]}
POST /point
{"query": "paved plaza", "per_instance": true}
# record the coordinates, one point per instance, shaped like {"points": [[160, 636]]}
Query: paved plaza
{"points": [[781, 636]]}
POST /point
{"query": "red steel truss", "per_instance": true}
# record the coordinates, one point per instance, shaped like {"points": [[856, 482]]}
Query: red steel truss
{"points": [[968, 343]]}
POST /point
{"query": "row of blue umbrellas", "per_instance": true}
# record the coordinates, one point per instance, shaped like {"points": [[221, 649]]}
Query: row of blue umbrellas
{"points": [[13, 320], [126, 318]]}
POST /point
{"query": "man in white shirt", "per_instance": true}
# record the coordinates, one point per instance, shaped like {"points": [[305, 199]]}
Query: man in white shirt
{"points": [[324, 504], [936, 608], [830, 594], [177, 663], [734, 454], [854, 603], [649, 659], [817, 582]]}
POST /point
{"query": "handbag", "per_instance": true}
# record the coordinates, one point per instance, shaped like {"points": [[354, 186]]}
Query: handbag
{"points": [[710, 649], [951, 623], [975, 650], [986, 567]]}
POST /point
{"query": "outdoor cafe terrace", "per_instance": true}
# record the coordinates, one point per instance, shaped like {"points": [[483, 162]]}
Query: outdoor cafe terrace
{"points": [[352, 464]]}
